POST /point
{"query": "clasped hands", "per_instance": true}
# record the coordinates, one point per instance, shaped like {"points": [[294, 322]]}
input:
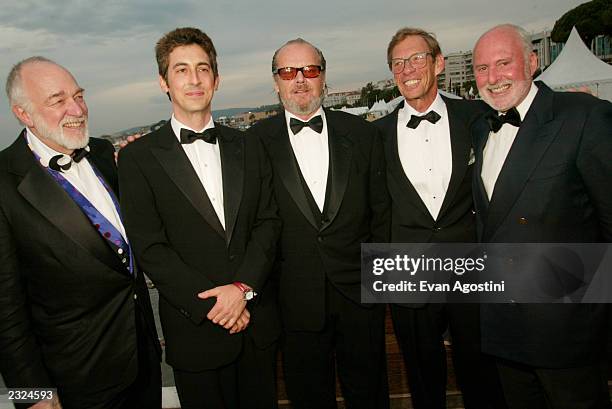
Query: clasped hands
{"points": [[230, 309]]}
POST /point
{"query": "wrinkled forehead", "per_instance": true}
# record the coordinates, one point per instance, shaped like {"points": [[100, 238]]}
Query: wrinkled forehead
{"points": [[498, 44], [43, 80], [409, 45]]}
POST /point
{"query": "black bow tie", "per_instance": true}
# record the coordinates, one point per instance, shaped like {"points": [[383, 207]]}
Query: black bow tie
{"points": [[496, 121], [61, 163], [316, 124], [415, 120], [188, 136]]}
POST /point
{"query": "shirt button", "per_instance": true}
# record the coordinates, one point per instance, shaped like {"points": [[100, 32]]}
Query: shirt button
{"points": [[135, 296], [120, 251]]}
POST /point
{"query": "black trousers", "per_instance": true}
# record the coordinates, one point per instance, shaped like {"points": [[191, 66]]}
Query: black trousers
{"points": [[143, 393], [247, 383], [526, 387], [420, 331], [353, 341]]}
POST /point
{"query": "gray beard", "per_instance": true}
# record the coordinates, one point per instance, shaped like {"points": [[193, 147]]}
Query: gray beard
{"points": [[298, 109]]}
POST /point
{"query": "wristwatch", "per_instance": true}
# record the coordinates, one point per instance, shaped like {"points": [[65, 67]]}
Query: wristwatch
{"points": [[248, 292]]}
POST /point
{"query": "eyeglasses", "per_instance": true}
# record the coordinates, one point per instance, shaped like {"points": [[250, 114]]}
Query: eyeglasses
{"points": [[309, 71], [418, 60]]}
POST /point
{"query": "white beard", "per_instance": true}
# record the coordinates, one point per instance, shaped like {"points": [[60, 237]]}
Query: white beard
{"points": [[57, 136]]}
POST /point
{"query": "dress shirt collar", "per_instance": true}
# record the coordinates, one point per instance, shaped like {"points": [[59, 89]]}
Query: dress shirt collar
{"points": [[177, 125], [407, 111]]}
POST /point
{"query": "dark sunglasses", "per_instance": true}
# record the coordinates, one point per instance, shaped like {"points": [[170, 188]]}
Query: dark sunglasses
{"points": [[309, 71]]}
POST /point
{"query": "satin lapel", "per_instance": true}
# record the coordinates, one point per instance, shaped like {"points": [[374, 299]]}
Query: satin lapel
{"points": [[232, 166], [534, 137], [46, 196], [287, 170], [460, 151], [340, 156], [396, 170], [175, 162], [480, 134]]}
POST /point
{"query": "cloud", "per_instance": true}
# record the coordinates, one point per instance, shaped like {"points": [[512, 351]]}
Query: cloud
{"points": [[108, 45], [110, 18]]}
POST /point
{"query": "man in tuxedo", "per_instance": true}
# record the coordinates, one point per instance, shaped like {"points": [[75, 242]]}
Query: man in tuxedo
{"points": [[542, 174], [330, 187], [74, 308], [429, 170], [199, 209]]}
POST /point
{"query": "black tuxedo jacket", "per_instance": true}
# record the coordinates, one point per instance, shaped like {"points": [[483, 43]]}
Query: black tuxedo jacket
{"points": [[183, 247], [411, 221], [67, 303], [555, 186], [319, 247]]}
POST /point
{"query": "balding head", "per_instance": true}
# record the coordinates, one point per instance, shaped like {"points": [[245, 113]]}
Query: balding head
{"points": [[518, 33], [14, 81], [46, 98]]}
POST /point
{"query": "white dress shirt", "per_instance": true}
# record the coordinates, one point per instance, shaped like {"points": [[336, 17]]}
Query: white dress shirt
{"points": [[206, 161], [498, 145], [425, 153], [83, 178], [312, 153]]}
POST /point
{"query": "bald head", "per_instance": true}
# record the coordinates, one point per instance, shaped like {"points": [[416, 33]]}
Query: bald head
{"points": [[512, 31]]}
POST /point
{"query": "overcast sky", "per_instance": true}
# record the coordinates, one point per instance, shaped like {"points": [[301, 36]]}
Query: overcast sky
{"points": [[108, 44]]}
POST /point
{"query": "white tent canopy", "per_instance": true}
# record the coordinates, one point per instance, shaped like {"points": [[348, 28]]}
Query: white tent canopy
{"points": [[380, 106], [577, 66], [354, 110]]}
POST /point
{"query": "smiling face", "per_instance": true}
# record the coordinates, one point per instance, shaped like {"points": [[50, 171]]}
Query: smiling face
{"points": [[191, 84], [55, 110], [502, 69], [300, 96], [417, 85]]}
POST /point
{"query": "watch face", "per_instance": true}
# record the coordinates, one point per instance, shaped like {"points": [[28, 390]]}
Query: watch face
{"points": [[249, 295]]}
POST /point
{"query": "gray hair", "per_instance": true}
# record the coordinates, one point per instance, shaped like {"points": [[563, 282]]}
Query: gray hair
{"points": [[298, 41], [14, 83], [522, 34]]}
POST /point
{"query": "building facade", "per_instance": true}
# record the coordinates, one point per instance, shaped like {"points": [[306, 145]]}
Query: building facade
{"points": [[348, 98], [458, 75]]}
